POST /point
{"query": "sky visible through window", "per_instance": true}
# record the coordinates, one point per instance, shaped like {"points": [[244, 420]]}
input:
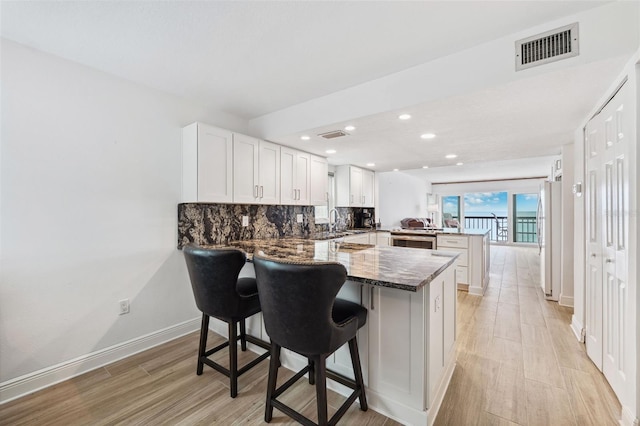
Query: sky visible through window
{"points": [[484, 203]]}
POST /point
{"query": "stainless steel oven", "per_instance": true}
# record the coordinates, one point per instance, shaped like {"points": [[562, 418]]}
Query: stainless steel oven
{"points": [[414, 241]]}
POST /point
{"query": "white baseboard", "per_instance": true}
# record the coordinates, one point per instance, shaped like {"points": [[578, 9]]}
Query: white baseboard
{"points": [[566, 301], [475, 290], [577, 328], [627, 418], [32, 382]]}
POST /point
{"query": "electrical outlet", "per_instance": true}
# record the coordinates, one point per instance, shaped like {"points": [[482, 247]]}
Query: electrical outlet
{"points": [[299, 218], [245, 221], [124, 306]]}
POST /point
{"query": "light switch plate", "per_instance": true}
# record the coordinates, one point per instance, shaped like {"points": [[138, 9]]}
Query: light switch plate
{"points": [[299, 218], [245, 220]]}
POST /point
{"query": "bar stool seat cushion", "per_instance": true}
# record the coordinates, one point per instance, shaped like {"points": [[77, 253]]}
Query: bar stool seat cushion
{"points": [[345, 311], [247, 287]]}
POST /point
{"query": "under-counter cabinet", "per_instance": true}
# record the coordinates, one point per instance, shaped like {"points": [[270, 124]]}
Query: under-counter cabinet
{"points": [[207, 164], [472, 269], [295, 170], [354, 187], [256, 171]]}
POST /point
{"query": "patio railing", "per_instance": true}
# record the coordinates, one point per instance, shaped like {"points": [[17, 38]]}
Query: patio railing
{"points": [[525, 227]]}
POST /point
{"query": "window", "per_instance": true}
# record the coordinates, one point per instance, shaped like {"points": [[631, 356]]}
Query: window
{"points": [[525, 224]]}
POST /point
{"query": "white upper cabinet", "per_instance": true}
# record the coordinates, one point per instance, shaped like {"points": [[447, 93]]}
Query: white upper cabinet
{"points": [[256, 171], [207, 164], [368, 179], [219, 166], [295, 176], [319, 181], [354, 187]]}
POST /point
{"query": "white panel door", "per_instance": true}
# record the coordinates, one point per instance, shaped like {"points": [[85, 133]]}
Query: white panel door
{"points": [[616, 210], [303, 178], [593, 215], [319, 181]]}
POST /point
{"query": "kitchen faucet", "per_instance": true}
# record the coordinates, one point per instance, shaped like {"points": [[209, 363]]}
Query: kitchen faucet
{"points": [[334, 225]]}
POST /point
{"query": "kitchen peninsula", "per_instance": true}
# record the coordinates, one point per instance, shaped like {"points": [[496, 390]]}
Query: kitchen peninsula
{"points": [[407, 347]]}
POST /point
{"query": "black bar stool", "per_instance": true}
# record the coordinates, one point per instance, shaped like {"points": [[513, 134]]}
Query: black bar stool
{"points": [[301, 313], [220, 294]]}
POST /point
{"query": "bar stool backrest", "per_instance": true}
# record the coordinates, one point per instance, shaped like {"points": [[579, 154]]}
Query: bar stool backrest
{"points": [[297, 301], [214, 274]]}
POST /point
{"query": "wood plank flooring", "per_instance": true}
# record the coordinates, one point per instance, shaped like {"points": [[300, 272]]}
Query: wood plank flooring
{"points": [[518, 364], [518, 361]]}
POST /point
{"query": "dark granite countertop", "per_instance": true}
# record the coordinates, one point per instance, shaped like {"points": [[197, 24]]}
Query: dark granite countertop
{"points": [[395, 267]]}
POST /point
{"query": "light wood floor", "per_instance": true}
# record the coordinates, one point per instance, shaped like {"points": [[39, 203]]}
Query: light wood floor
{"points": [[518, 363]]}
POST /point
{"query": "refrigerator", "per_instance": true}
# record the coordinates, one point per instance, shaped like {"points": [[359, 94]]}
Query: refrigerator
{"points": [[549, 224]]}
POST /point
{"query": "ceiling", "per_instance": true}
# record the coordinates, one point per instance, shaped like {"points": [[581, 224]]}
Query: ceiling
{"points": [[251, 59]]}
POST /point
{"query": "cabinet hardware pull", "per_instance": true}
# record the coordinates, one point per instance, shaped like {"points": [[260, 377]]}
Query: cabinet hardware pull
{"points": [[261, 191], [609, 260], [436, 305], [255, 191], [363, 199], [593, 255], [371, 301]]}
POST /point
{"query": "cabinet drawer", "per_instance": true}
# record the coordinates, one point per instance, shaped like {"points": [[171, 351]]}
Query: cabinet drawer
{"points": [[462, 275], [463, 259], [452, 241]]}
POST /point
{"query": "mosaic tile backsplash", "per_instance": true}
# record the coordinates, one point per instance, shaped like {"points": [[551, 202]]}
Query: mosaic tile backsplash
{"points": [[207, 223]]}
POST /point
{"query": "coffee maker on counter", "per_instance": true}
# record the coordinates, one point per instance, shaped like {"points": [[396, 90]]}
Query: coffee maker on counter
{"points": [[363, 219]]}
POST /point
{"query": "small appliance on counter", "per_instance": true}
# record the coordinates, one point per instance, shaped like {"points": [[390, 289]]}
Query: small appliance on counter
{"points": [[363, 219]]}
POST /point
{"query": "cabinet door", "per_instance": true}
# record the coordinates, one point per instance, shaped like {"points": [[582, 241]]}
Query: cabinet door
{"points": [[382, 238], [269, 172], [303, 177], [355, 187], [288, 194], [340, 360], [449, 306], [436, 336], [207, 164], [368, 179], [397, 345], [319, 181], [245, 169]]}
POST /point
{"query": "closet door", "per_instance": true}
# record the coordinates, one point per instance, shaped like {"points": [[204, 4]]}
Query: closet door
{"points": [[616, 224], [608, 304], [593, 219]]}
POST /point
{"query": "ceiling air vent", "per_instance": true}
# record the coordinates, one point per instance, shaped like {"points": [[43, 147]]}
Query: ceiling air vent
{"points": [[333, 134], [550, 46]]}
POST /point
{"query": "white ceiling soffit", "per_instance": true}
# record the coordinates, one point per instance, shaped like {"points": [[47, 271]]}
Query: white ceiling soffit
{"points": [[252, 58]]}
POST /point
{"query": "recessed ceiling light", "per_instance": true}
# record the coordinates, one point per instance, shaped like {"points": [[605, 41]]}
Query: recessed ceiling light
{"points": [[305, 138], [349, 128], [330, 151], [371, 164], [395, 170], [450, 156], [459, 164], [428, 136], [404, 116], [425, 167]]}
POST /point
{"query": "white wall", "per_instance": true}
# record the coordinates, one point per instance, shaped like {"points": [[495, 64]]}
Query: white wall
{"points": [[566, 286], [400, 195], [90, 178]]}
